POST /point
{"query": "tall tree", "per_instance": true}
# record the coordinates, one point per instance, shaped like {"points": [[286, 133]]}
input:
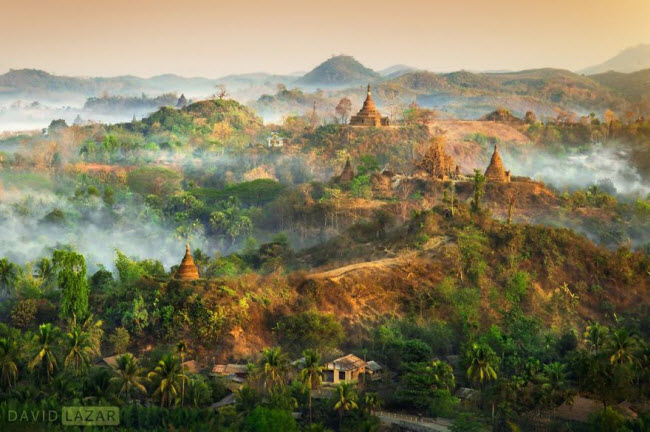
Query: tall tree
{"points": [[346, 399], [343, 109], [595, 337], [8, 274], [169, 374], [311, 374], [45, 270], [8, 362], [71, 268], [479, 191], [81, 349], [181, 349], [555, 384], [371, 402], [273, 366], [128, 375], [482, 363], [93, 330], [45, 340], [622, 346]]}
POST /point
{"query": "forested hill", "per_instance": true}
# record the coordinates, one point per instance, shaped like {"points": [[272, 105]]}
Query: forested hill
{"points": [[339, 71]]}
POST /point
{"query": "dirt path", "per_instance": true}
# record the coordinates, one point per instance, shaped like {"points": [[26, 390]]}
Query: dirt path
{"points": [[337, 273]]}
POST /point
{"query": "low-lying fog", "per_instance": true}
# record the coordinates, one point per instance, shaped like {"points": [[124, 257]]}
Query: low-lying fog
{"points": [[598, 165], [26, 236], [26, 117]]}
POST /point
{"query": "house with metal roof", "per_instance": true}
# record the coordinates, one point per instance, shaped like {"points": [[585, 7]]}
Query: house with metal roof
{"points": [[347, 368]]}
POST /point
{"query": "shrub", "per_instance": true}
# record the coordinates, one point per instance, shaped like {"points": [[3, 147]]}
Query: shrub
{"points": [[23, 313], [360, 187], [309, 330], [120, 340], [269, 420]]}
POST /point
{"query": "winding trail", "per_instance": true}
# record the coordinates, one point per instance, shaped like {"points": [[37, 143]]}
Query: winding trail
{"points": [[337, 273]]}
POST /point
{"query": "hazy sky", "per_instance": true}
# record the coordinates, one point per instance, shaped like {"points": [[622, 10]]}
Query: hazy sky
{"points": [[214, 37]]}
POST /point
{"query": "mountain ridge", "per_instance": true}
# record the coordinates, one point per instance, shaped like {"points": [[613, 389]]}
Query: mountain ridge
{"points": [[631, 59]]}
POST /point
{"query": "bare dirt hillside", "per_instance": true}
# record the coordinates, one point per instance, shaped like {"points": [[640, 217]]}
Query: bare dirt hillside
{"points": [[458, 130]]}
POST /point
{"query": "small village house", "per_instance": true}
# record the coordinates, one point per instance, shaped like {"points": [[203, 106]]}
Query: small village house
{"points": [[347, 368]]}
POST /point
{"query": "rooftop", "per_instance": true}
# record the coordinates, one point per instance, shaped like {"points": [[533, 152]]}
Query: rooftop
{"points": [[229, 369], [348, 362]]}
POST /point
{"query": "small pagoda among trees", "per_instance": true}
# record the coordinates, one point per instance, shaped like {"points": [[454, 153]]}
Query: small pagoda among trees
{"points": [[495, 172], [347, 175], [187, 270]]}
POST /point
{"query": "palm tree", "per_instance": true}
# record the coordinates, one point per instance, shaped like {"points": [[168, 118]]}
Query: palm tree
{"points": [[128, 375], [44, 270], [371, 402], [93, 330], [80, 350], [346, 399], [482, 362], [181, 349], [554, 383], [169, 374], [443, 374], [622, 346], [274, 367], [8, 274], [595, 337], [311, 374], [8, 366], [97, 387], [45, 339]]}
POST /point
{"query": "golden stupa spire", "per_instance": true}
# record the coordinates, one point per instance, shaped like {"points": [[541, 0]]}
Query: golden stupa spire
{"points": [[187, 270]]}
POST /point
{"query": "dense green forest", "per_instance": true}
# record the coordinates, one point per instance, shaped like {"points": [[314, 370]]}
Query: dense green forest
{"points": [[488, 306]]}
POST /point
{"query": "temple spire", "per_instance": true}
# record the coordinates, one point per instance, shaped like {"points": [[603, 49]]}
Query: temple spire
{"points": [[187, 270], [369, 115], [495, 171]]}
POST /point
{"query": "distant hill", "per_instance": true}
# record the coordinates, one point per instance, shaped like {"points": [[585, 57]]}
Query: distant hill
{"points": [[629, 60], [540, 90], [338, 71], [37, 83], [396, 70], [255, 79], [633, 86], [41, 85], [112, 104]]}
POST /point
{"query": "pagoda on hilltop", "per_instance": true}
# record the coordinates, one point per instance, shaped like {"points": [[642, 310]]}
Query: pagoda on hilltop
{"points": [[368, 115], [187, 270], [495, 172]]}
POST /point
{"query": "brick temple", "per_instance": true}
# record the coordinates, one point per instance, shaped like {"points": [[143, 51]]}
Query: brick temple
{"points": [[369, 115], [495, 172], [187, 270]]}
